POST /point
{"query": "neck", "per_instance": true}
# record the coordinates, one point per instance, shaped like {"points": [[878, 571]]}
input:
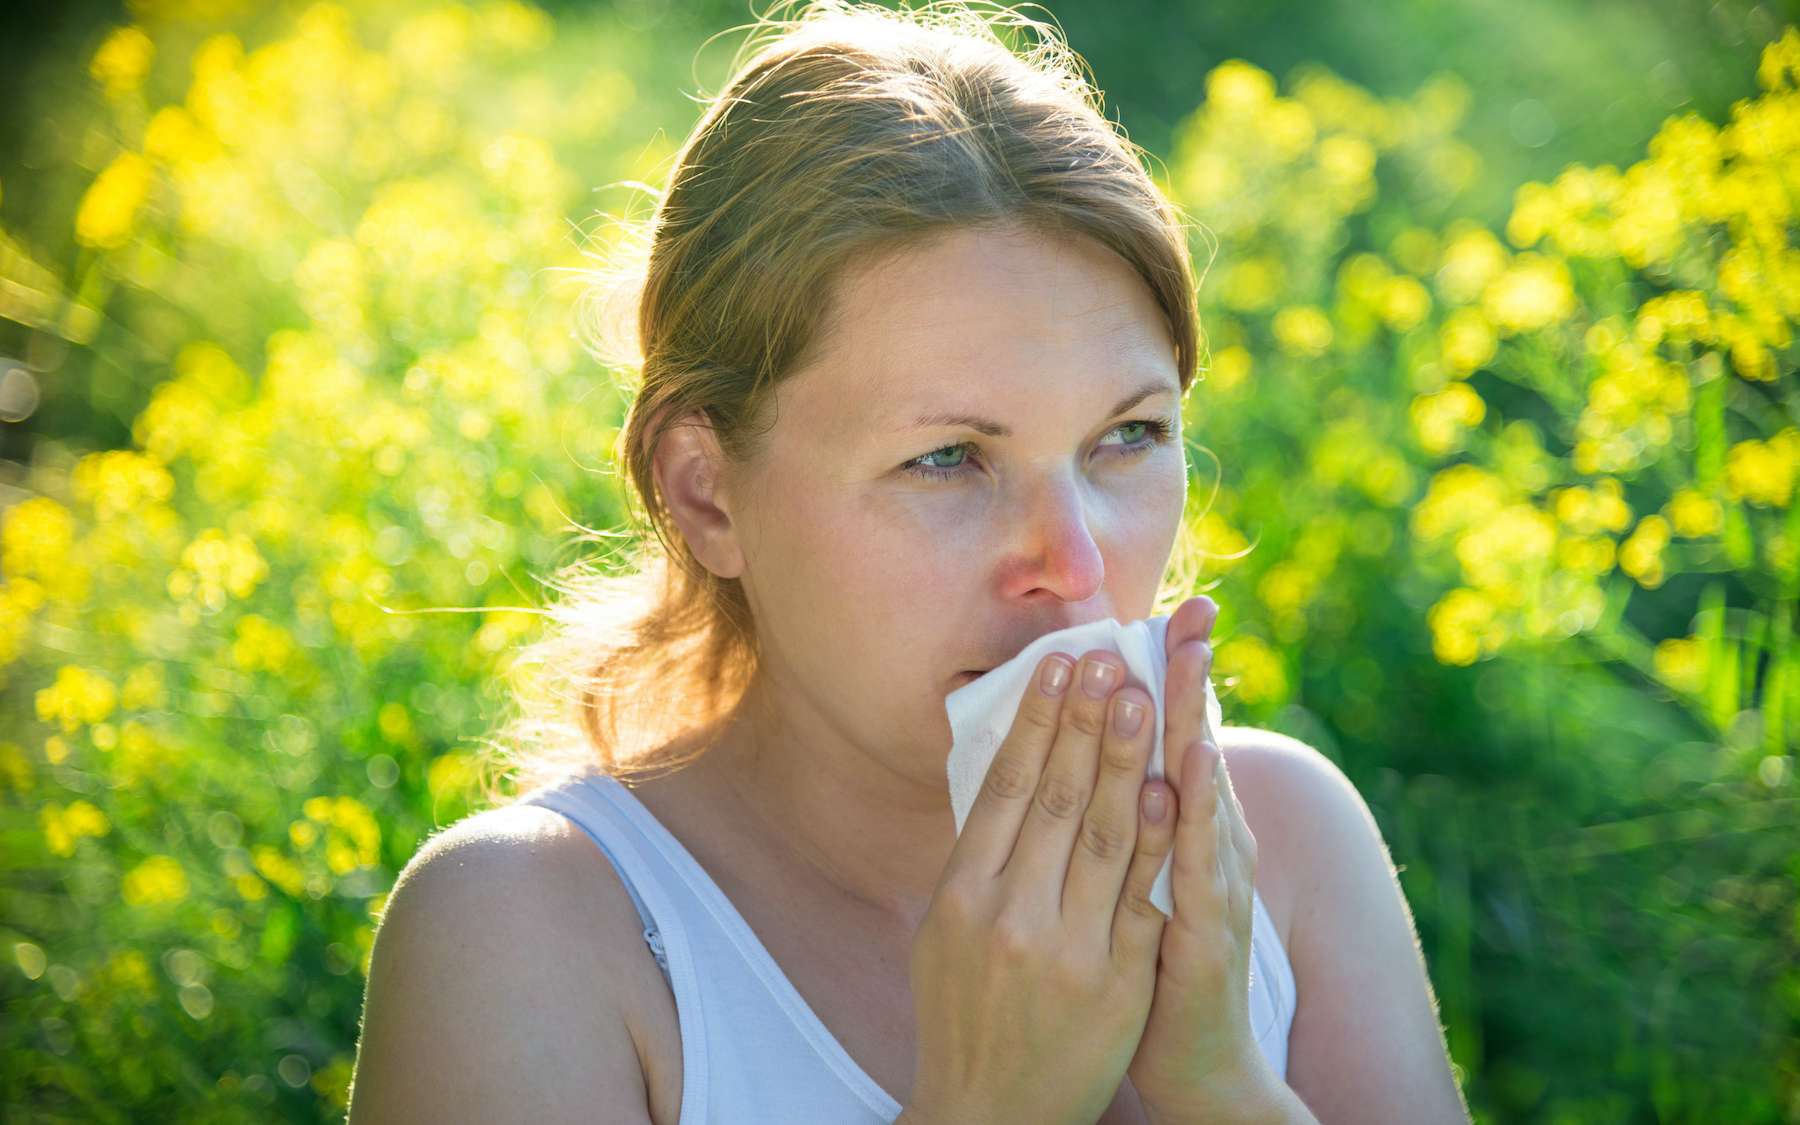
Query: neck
{"points": [[876, 834]]}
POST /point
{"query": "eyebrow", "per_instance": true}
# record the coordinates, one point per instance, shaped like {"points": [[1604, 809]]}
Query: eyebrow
{"points": [[994, 429]]}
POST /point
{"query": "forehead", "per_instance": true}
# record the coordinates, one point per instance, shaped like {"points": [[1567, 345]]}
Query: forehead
{"points": [[983, 314]]}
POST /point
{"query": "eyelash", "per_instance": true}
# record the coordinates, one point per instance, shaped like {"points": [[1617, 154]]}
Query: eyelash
{"points": [[1160, 430]]}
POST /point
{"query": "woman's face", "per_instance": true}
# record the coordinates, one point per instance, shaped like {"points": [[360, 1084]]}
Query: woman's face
{"points": [[963, 466]]}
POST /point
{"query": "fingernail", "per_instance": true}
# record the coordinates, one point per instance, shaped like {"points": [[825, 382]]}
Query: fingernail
{"points": [[1055, 677], [1156, 805], [1098, 680], [1127, 717]]}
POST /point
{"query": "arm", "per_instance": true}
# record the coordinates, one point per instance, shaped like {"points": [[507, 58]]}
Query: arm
{"points": [[487, 998], [1366, 1045]]}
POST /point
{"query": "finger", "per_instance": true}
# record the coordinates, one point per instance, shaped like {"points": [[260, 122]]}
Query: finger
{"points": [[1040, 862], [1199, 882], [1137, 923], [1242, 842], [991, 829], [1193, 620], [1184, 702], [1103, 848]]}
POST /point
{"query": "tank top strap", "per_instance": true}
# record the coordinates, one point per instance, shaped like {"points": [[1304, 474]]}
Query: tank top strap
{"points": [[590, 803]]}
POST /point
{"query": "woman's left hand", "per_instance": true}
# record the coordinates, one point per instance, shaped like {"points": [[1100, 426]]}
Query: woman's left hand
{"points": [[1197, 1055]]}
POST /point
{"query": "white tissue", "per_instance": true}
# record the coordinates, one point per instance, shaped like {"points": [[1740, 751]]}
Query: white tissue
{"points": [[982, 711]]}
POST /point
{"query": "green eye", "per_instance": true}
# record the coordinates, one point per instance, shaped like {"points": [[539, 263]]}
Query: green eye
{"points": [[949, 449], [1159, 430]]}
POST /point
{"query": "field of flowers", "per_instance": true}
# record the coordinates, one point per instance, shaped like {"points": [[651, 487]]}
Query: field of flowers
{"points": [[1501, 517]]}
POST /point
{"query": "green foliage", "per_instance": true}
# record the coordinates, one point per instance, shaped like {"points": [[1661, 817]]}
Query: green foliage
{"points": [[1502, 521]]}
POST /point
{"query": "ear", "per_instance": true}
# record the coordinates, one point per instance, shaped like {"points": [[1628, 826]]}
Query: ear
{"points": [[689, 469]]}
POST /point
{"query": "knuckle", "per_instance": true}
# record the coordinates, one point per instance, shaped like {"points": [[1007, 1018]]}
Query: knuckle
{"points": [[1060, 797], [1136, 899], [1042, 718], [1105, 838], [1013, 937], [1074, 968], [1123, 757], [1008, 778], [1087, 718], [956, 907]]}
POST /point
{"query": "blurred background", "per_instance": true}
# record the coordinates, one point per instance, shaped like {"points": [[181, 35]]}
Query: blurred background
{"points": [[1495, 453]]}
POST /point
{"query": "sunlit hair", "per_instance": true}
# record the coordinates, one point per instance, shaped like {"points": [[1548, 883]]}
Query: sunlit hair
{"points": [[847, 132]]}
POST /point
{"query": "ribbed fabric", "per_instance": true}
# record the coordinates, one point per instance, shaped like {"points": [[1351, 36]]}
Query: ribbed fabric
{"points": [[752, 1049]]}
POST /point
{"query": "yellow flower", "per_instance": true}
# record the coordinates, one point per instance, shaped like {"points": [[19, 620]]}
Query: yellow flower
{"points": [[174, 137], [515, 26], [1302, 330], [1473, 258], [1230, 367], [1464, 624], [1251, 283], [1532, 293], [122, 60], [1779, 68], [1630, 409], [1680, 316], [354, 836], [1288, 127], [1403, 303], [1584, 555], [1438, 420], [261, 644], [279, 870], [1763, 472], [157, 881], [1235, 86], [433, 44], [143, 689], [78, 697], [1586, 511], [1641, 554], [1512, 546], [1253, 668], [117, 482], [216, 564], [332, 285], [36, 538], [1348, 162], [1458, 497], [63, 827], [451, 776], [1286, 587], [109, 208], [1466, 340], [130, 971], [1536, 209], [1415, 249], [1680, 662], [1693, 514]]}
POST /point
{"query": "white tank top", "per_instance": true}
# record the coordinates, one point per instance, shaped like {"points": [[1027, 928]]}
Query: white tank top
{"points": [[752, 1049]]}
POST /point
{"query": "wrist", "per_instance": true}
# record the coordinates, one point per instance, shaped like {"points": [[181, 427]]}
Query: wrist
{"points": [[1251, 1094]]}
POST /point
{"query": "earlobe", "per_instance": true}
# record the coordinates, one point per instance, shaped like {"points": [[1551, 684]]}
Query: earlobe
{"points": [[688, 466]]}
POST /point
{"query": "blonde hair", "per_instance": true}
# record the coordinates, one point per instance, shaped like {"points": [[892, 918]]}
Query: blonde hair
{"points": [[849, 131]]}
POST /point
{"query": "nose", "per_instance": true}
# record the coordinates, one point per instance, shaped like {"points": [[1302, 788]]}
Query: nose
{"points": [[1057, 551]]}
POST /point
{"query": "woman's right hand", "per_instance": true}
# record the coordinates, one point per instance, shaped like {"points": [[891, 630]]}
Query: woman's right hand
{"points": [[1035, 963]]}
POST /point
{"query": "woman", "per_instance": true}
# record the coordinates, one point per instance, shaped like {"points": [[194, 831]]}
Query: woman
{"points": [[914, 336]]}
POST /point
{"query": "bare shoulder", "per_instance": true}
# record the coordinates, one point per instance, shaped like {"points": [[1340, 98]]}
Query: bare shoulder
{"points": [[1366, 1044], [501, 980], [1295, 801]]}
